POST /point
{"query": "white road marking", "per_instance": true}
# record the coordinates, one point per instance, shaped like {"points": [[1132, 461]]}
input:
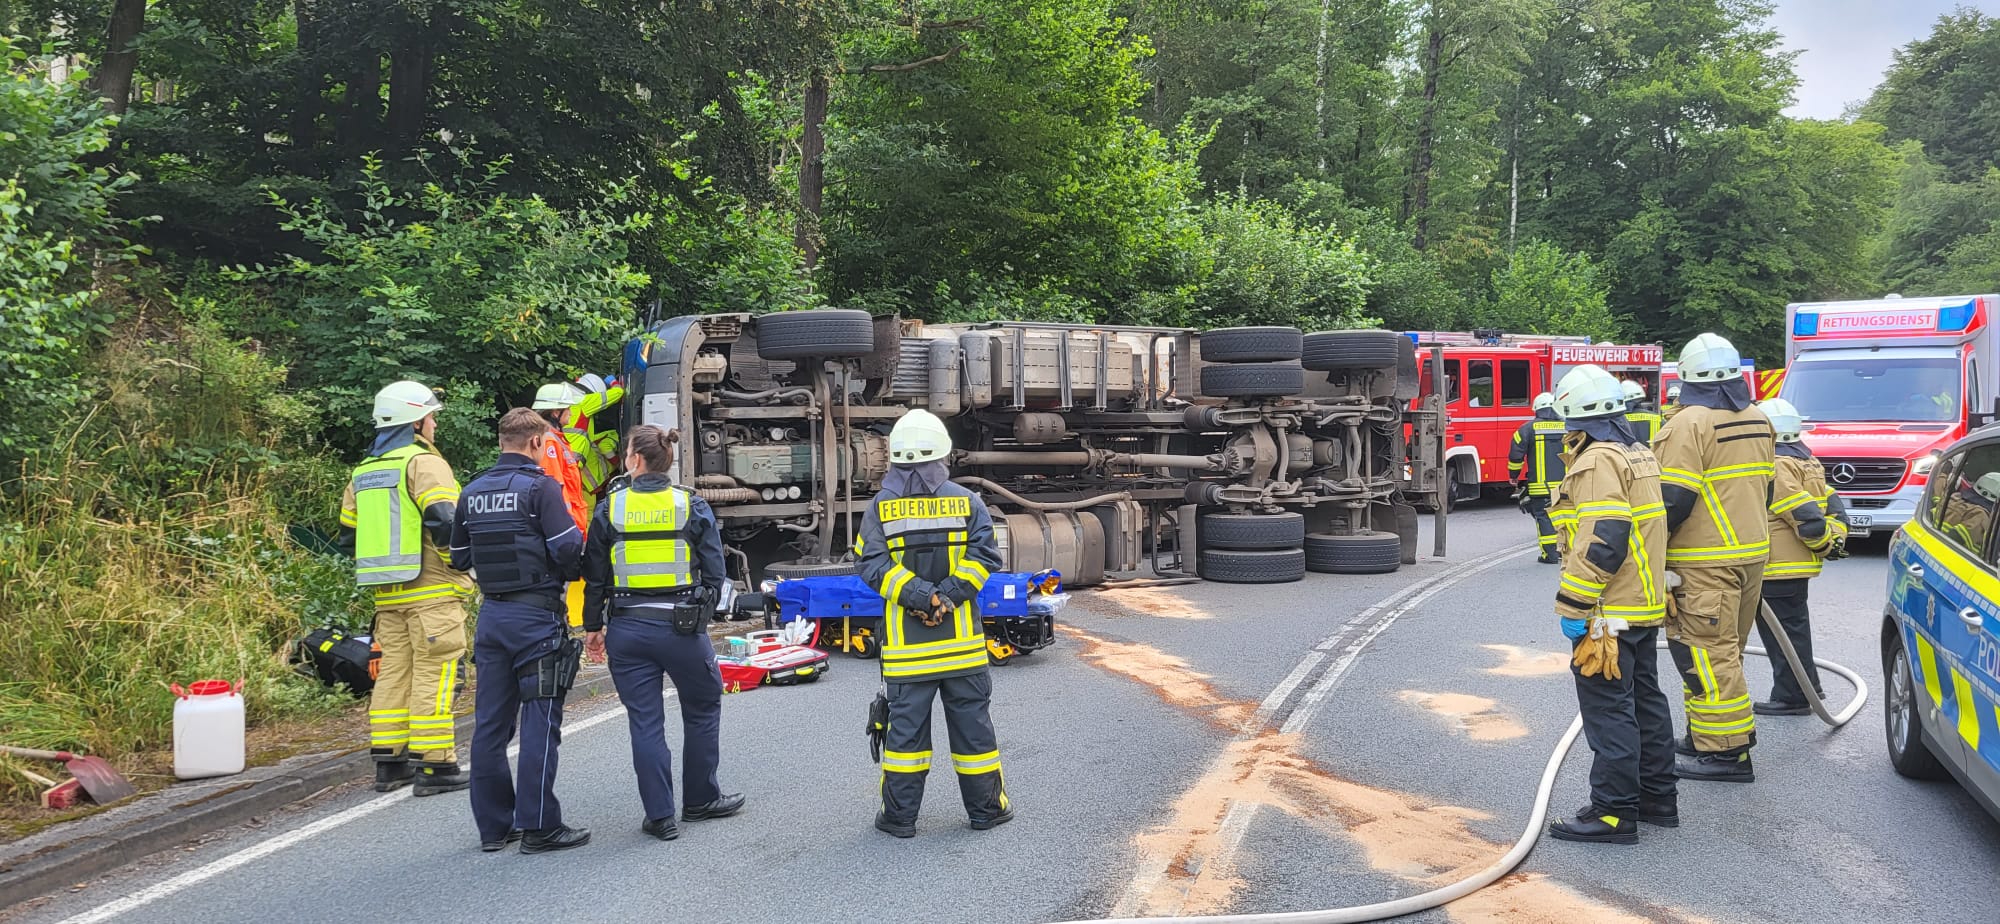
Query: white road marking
{"points": [[265, 848]]}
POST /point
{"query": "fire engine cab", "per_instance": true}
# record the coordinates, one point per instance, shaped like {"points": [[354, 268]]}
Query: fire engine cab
{"points": [[1490, 382], [1885, 385]]}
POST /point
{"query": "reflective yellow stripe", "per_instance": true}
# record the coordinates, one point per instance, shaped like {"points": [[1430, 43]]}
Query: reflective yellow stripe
{"points": [[1788, 504], [414, 595], [1713, 501], [442, 494], [929, 649], [1683, 477], [1744, 470], [906, 761], [1968, 709], [1738, 727], [1649, 511], [1927, 665], [1792, 569], [1588, 590], [976, 763], [347, 517], [1617, 509], [933, 666], [1635, 613], [1718, 708], [1721, 553], [447, 678]]}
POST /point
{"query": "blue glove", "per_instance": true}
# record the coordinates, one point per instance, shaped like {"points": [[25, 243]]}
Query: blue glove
{"points": [[1576, 629]]}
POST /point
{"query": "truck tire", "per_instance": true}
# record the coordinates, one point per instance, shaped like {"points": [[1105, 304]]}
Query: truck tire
{"points": [[1231, 566], [830, 333], [1341, 350], [792, 570], [1360, 553], [1252, 380], [1251, 345], [1252, 531]]}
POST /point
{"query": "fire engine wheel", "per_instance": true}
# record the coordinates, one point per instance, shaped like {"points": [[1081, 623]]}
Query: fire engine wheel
{"points": [[1251, 345], [1252, 531], [791, 570], [1360, 553], [1252, 380], [1231, 566], [1342, 350], [830, 333]]}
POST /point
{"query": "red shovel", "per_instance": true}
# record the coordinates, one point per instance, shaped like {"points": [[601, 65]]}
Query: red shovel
{"points": [[101, 783]]}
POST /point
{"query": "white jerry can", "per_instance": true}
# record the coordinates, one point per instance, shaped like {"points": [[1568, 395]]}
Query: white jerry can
{"points": [[208, 729]]}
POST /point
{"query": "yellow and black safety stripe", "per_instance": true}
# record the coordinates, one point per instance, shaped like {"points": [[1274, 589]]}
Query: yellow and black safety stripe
{"points": [[975, 764], [906, 761]]}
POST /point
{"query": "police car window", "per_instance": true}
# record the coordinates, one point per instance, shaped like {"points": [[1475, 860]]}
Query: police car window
{"points": [[1514, 388], [1479, 383], [1963, 514], [1941, 477]]}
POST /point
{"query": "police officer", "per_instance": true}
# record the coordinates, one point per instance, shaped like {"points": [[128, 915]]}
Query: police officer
{"points": [[1716, 455], [1534, 462], [653, 565], [1644, 417], [398, 513], [1807, 527], [515, 531], [927, 545], [1614, 583]]}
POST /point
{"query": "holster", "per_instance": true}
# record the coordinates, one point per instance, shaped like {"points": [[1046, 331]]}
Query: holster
{"points": [[878, 725], [552, 674], [694, 615]]}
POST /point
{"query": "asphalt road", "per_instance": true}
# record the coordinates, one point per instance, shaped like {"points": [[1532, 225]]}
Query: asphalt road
{"points": [[1183, 750]]}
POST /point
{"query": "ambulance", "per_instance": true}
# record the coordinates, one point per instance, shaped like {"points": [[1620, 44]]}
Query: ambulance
{"points": [[1491, 379], [1885, 385]]}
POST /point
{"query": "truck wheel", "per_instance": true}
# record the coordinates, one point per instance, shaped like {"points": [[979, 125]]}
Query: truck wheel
{"points": [[1360, 553], [1250, 531], [1252, 380], [1251, 345], [1908, 752], [830, 333], [1340, 350], [1230, 566], [792, 570]]}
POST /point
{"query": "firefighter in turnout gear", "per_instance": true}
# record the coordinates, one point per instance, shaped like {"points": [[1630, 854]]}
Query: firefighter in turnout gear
{"points": [[1535, 464], [1716, 455], [591, 431], [1645, 418], [397, 515], [1808, 526], [515, 533], [1611, 600], [927, 545]]}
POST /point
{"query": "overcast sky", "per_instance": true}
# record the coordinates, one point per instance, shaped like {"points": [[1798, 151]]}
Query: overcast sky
{"points": [[1846, 44]]}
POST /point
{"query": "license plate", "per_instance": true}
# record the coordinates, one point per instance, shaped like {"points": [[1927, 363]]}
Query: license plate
{"points": [[1860, 520]]}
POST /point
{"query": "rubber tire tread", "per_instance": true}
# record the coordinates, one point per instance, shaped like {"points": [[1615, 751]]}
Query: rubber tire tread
{"points": [[1253, 380], [1338, 350], [830, 333], [1251, 531], [1360, 553], [1234, 566], [1252, 345]]}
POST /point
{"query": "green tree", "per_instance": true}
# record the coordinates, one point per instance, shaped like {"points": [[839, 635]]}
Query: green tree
{"points": [[1544, 289]]}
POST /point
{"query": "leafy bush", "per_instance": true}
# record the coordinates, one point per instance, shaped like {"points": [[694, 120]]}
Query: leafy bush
{"points": [[1545, 289], [1261, 266]]}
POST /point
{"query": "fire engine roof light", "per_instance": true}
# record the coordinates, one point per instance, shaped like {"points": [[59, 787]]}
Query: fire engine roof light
{"points": [[1805, 324], [1954, 318]]}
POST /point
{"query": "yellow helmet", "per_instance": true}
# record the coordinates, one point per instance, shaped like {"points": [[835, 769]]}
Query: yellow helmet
{"points": [[919, 436]]}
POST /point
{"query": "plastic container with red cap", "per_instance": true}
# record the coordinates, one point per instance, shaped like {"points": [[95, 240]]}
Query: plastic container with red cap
{"points": [[208, 729]]}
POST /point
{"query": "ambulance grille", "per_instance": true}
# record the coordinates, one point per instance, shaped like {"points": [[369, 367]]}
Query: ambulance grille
{"points": [[1863, 476]]}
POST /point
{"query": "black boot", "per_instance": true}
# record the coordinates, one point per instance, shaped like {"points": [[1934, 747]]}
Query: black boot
{"points": [[1717, 768], [662, 828], [560, 837], [513, 835], [721, 808], [1596, 829], [393, 773], [436, 778], [1773, 707], [987, 824], [884, 825], [1657, 814]]}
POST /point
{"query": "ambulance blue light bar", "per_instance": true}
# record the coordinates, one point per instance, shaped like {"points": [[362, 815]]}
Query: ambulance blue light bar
{"points": [[1954, 318]]}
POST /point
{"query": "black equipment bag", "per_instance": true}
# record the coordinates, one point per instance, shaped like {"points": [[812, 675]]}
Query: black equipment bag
{"points": [[338, 657]]}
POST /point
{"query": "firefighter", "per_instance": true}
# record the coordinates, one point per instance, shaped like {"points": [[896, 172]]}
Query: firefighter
{"points": [[1534, 464], [1611, 600], [1645, 418], [653, 565], [514, 529], [1716, 457], [927, 545], [1807, 527], [553, 401], [591, 433], [397, 514]]}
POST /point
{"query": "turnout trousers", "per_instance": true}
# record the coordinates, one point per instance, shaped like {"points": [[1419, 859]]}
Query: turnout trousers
{"points": [[1787, 600], [1630, 728], [410, 709], [1706, 629], [510, 637], [1537, 506], [975, 750], [643, 651]]}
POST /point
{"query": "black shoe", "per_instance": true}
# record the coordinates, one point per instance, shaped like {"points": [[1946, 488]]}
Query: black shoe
{"points": [[436, 779], [391, 775], [1549, 558], [662, 828], [988, 824], [1596, 829], [561, 837], [1684, 746], [499, 845], [884, 825], [1652, 813], [1717, 768], [1773, 707], [721, 808]]}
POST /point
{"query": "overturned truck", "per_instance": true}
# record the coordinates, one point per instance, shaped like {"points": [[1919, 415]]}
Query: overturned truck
{"points": [[1245, 455]]}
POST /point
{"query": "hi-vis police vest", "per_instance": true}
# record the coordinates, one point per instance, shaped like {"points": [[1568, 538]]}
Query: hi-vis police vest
{"points": [[928, 538], [1538, 446], [388, 527], [648, 552]]}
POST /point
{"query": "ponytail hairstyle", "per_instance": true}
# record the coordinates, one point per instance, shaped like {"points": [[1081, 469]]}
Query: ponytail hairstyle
{"points": [[654, 445]]}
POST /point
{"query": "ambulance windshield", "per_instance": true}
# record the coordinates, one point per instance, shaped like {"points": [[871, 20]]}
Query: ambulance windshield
{"points": [[1877, 386]]}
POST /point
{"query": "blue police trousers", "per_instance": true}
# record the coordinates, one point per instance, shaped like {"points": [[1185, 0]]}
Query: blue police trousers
{"points": [[510, 637], [641, 651]]}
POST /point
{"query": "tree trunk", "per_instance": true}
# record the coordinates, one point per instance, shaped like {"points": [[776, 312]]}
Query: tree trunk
{"points": [[812, 167], [1319, 81], [121, 60], [361, 108], [312, 74], [1420, 180], [1514, 184], [410, 71]]}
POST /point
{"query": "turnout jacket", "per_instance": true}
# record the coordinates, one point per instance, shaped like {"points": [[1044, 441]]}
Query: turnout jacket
{"points": [[1716, 467], [1537, 448], [1802, 521], [433, 489], [1613, 527], [913, 546]]}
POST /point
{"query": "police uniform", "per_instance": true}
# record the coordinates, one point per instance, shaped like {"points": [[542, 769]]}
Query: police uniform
{"points": [[514, 529], [654, 557], [1536, 459], [913, 544], [1803, 530], [399, 502]]}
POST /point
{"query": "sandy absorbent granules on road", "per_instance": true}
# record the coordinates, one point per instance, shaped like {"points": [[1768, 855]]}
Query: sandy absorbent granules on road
{"points": [[1145, 601], [1527, 662], [1476, 717]]}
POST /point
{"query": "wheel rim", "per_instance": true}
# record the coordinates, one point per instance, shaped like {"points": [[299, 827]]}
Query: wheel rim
{"points": [[1900, 702]]}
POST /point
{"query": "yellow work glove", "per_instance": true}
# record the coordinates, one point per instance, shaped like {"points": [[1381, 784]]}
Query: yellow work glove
{"points": [[1597, 654]]}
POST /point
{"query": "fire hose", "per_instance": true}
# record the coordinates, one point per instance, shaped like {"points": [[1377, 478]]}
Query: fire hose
{"points": [[1380, 911]]}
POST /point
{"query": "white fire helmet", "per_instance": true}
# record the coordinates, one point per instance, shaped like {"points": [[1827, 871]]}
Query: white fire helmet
{"points": [[919, 436], [1588, 391], [1544, 400], [1710, 358], [1785, 418], [1634, 392], [404, 402], [556, 396]]}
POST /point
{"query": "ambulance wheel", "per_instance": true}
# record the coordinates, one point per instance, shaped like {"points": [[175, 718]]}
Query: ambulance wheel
{"points": [[1342, 350], [1909, 753], [1251, 345], [1230, 566], [1360, 553], [792, 570], [1252, 380], [1252, 531], [831, 333]]}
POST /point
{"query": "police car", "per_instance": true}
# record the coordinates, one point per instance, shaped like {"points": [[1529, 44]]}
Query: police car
{"points": [[1941, 630]]}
